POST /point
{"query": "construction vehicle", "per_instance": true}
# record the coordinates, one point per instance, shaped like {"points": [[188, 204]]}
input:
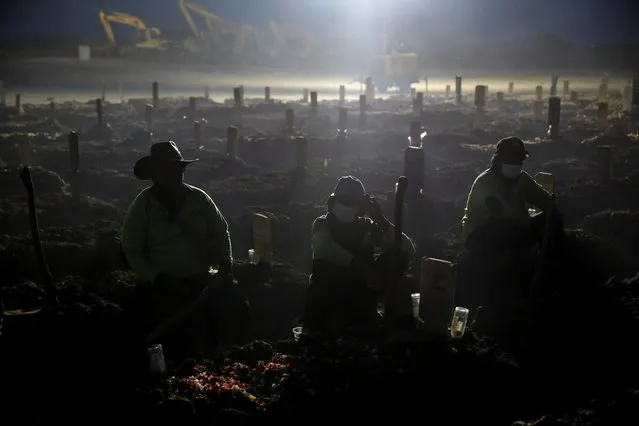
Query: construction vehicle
{"points": [[290, 42], [393, 67], [395, 70], [222, 36], [147, 37]]}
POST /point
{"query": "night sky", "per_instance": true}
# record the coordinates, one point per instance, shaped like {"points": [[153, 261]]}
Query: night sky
{"points": [[578, 21]]}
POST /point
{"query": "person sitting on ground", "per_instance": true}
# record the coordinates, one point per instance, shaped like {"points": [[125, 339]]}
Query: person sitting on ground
{"points": [[172, 236], [496, 220], [345, 280]]}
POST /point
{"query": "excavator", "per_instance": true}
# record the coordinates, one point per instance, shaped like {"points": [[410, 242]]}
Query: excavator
{"points": [[393, 66], [290, 42], [147, 37], [221, 37]]}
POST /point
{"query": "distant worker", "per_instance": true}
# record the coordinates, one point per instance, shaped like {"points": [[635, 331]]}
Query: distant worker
{"points": [[496, 222], [346, 278], [173, 234]]}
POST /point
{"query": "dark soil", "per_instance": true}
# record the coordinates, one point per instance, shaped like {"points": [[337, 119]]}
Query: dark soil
{"points": [[568, 357]]}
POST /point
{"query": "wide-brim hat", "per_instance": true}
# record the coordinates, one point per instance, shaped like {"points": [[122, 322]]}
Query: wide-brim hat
{"points": [[162, 154]]}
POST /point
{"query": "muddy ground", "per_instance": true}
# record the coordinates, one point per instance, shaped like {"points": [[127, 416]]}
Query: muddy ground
{"points": [[574, 363]]}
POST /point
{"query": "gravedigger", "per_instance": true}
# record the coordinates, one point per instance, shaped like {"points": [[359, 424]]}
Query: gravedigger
{"points": [[146, 37]]}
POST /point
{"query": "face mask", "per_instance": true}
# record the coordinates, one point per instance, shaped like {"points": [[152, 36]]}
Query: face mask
{"points": [[344, 214], [511, 171]]}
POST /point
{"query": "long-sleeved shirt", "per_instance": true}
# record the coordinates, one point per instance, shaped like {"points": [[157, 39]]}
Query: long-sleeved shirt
{"points": [[190, 245], [325, 248], [492, 196]]}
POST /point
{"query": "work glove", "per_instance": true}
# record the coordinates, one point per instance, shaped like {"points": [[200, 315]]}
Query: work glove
{"points": [[375, 210]]}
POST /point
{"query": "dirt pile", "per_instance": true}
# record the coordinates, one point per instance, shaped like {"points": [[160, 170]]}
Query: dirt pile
{"points": [[620, 228], [578, 340], [565, 355]]}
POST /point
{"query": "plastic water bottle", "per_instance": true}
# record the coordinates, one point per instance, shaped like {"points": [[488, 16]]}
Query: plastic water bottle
{"points": [[252, 258], [415, 299], [156, 359], [458, 323]]}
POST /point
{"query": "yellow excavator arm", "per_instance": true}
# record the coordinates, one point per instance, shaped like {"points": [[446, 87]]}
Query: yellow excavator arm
{"points": [[151, 34], [216, 26], [211, 19], [285, 34]]}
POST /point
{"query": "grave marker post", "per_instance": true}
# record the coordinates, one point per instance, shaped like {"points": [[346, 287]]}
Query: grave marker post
{"points": [[602, 115], [232, 141], [290, 121], [99, 111], [197, 134], [480, 104], [238, 101], [148, 118], [369, 90], [155, 95], [192, 108], [313, 104], [74, 163], [554, 116], [267, 95], [362, 112]]}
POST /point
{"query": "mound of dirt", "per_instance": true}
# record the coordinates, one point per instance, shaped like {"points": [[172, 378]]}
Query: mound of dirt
{"points": [[44, 181], [319, 380], [567, 364], [578, 340], [620, 228], [85, 250]]}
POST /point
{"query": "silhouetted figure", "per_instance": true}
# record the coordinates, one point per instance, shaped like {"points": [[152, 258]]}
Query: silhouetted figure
{"points": [[173, 234], [496, 217], [346, 279], [502, 237]]}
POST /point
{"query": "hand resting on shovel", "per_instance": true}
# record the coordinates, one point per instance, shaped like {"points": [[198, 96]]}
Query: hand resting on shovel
{"points": [[210, 284]]}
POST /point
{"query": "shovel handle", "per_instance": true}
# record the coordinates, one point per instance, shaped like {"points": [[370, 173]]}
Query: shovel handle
{"points": [[400, 192], [50, 297], [536, 283]]}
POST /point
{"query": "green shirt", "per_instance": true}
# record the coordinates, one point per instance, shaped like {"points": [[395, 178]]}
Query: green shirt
{"points": [[512, 196], [190, 245]]}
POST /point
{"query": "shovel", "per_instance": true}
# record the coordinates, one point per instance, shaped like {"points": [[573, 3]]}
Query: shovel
{"points": [[50, 299], [398, 267], [186, 313], [537, 277]]}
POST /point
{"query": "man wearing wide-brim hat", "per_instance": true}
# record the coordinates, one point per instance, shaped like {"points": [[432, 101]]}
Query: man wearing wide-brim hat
{"points": [[172, 236]]}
